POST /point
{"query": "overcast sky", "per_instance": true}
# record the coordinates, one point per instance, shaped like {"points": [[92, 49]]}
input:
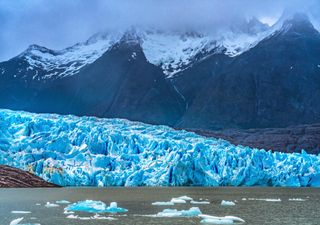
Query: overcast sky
{"points": [[60, 23]]}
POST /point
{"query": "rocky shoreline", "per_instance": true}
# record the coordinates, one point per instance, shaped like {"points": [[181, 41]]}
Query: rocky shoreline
{"points": [[15, 178], [290, 139]]}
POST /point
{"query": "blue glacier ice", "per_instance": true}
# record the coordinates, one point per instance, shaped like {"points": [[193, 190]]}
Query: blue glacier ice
{"points": [[70, 150], [92, 206]]}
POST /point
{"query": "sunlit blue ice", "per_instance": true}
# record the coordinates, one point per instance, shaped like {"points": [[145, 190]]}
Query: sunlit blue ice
{"points": [[69, 150]]}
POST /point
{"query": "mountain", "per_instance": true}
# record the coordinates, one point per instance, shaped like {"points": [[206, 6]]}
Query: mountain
{"points": [[120, 83], [274, 84], [247, 76]]}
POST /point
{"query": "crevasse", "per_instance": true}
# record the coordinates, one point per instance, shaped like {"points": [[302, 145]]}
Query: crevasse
{"points": [[70, 150]]}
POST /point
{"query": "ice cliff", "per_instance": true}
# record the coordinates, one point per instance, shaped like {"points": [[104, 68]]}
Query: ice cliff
{"points": [[69, 150]]}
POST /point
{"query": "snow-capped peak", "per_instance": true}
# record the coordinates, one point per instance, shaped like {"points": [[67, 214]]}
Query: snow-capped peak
{"points": [[290, 20], [70, 60], [173, 51]]}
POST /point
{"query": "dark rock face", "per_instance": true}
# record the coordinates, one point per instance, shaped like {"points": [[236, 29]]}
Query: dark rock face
{"points": [[15, 178], [290, 139], [127, 86], [275, 84]]}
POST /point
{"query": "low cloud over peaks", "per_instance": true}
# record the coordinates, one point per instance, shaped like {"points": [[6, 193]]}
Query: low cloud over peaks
{"points": [[58, 23]]}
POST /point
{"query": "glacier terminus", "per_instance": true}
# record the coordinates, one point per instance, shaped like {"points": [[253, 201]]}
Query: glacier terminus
{"points": [[89, 151]]}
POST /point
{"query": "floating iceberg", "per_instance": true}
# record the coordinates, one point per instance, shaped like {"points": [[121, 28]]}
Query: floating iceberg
{"points": [[16, 221], [51, 205], [178, 201], [20, 212], [95, 217], [227, 203], [186, 198], [63, 202], [192, 212], [206, 219], [297, 199], [95, 207], [162, 203], [87, 206], [200, 202], [75, 151], [265, 199], [113, 208]]}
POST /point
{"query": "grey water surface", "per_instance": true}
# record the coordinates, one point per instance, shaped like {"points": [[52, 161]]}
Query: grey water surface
{"points": [[138, 202]]}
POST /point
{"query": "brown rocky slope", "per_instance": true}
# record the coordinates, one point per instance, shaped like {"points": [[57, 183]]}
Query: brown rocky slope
{"points": [[289, 139], [15, 178]]}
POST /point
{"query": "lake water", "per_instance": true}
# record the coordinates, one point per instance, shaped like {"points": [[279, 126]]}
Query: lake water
{"points": [[138, 202]]}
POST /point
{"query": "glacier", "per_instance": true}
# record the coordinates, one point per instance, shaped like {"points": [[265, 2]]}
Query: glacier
{"points": [[77, 151]]}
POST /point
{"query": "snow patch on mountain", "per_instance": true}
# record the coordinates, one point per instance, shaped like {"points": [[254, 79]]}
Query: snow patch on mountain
{"points": [[68, 61], [174, 52]]}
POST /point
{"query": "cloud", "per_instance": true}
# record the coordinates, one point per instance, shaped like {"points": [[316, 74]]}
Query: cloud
{"points": [[59, 23]]}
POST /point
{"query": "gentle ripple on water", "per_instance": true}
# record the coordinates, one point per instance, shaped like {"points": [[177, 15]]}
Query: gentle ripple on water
{"points": [[138, 201]]}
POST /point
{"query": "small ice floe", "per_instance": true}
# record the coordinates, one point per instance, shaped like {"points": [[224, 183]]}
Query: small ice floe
{"points": [[95, 217], [192, 212], [50, 205], [181, 199], [16, 221], [113, 208], [87, 206], [95, 207], [72, 217], [186, 198], [271, 199], [78, 217], [162, 203], [206, 219], [227, 203], [68, 212], [20, 212], [98, 217], [200, 202], [63, 202], [178, 201], [265, 199], [297, 199]]}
